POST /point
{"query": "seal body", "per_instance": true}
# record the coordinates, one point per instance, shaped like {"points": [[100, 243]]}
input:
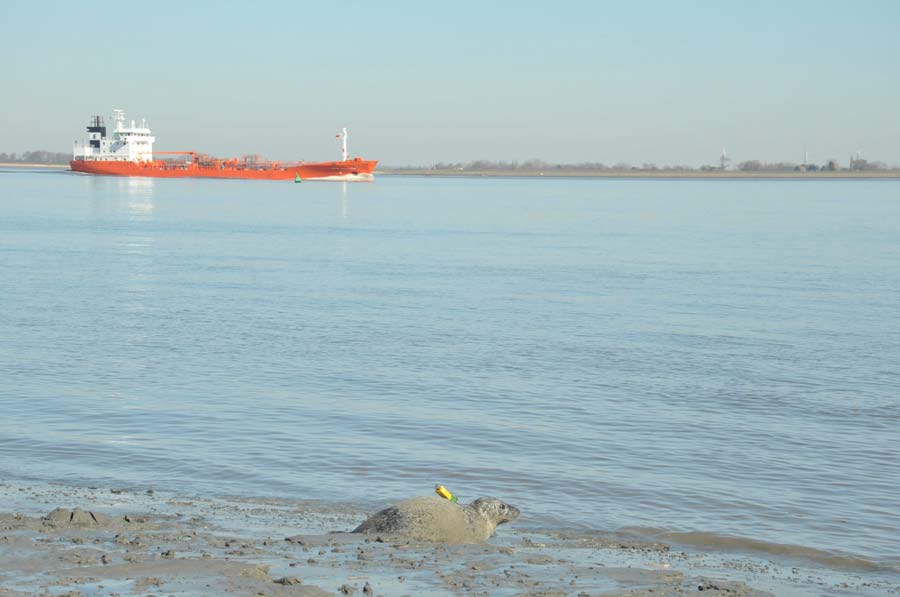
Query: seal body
{"points": [[431, 518]]}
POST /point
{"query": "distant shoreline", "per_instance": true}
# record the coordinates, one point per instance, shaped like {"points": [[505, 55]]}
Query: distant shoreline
{"points": [[611, 174], [635, 174], [18, 165]]}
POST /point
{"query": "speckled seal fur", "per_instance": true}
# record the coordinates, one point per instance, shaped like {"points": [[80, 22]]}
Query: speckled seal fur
{"points": [[432, 518]]}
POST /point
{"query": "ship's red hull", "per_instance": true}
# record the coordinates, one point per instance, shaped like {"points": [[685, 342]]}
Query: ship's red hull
{"points": [[356, 169]]}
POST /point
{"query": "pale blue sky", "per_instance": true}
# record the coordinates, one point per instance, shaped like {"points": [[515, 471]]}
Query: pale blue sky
{"points": [[418, 82]]}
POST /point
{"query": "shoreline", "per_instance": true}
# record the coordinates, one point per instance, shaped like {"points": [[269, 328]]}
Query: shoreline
{"points": [[648, 174], [130, 541], [15, 165], [600, 174]]}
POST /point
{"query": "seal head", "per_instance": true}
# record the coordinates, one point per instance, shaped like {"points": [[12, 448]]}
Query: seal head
{"points": [[494, 511]]}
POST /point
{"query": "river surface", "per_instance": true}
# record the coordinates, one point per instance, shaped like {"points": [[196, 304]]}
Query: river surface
{"points": [[715, 359]]}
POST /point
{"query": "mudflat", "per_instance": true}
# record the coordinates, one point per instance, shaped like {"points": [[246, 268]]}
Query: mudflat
{"points": [[130, 542]]}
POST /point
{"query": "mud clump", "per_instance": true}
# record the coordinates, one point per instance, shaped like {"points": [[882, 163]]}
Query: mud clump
{"points": [[63, 517]]}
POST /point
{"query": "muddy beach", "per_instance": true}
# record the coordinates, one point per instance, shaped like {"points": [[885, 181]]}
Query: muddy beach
{"points": [[81, 541]]}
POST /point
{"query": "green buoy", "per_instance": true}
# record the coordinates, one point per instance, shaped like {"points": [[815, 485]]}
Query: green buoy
{"points": [[297, 177]]}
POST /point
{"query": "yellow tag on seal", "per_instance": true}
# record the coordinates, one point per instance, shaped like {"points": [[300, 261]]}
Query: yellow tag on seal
{"points": [[445, 493]]}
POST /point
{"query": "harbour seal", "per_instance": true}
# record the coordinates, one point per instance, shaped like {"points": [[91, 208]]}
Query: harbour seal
{"points": [[432, 518]]}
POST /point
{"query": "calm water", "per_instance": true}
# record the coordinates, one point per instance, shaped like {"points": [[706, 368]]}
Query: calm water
{"points": [[710, 356]]}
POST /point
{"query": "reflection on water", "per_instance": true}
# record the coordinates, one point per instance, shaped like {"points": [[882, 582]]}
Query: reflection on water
{"points": [[138, 195], [125, 229], [344, 200], [112, 195]]}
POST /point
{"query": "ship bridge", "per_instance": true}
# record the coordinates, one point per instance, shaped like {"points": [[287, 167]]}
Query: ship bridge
{"points": [[125, 143]]}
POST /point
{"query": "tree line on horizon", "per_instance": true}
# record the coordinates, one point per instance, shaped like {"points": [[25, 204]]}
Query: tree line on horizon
{"points": [[40, 156], [536, 165], [856, 165]]}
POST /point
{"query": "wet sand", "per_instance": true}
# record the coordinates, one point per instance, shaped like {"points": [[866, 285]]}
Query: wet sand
{"points": [[75, 541]]}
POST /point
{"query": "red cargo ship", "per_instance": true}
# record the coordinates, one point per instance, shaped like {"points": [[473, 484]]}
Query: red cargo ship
{"points": [[128, 151]]}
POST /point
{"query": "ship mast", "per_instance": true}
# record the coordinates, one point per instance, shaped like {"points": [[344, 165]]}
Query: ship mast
{"points": [[344, 153]]}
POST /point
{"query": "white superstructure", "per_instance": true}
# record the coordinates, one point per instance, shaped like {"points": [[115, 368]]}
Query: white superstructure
{"points": [[126, 144]]}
